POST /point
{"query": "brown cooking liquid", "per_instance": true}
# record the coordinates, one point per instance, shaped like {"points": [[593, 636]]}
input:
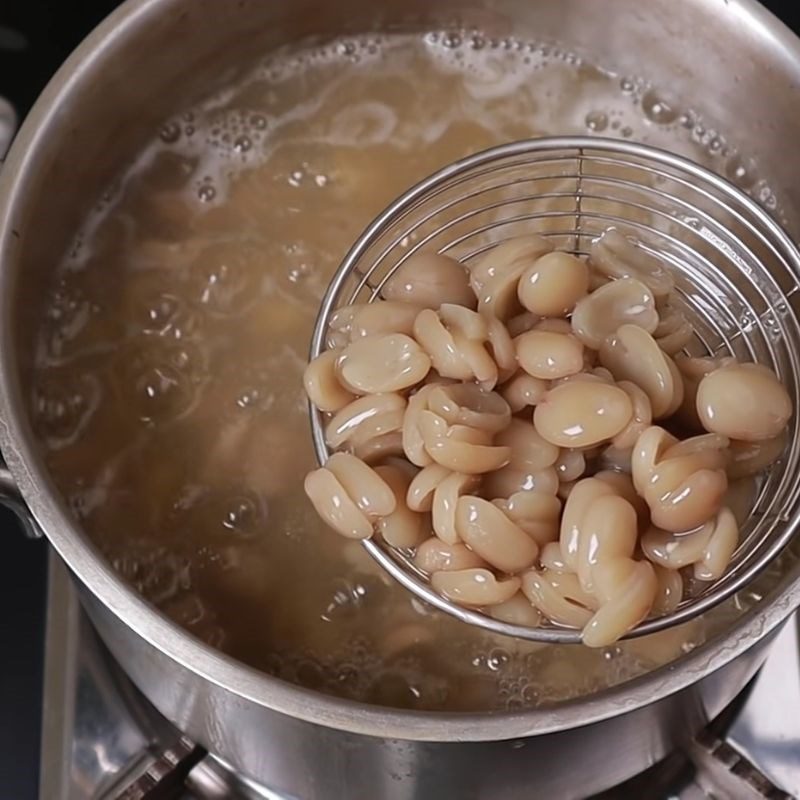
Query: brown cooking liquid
{"points": [[169, 391]]}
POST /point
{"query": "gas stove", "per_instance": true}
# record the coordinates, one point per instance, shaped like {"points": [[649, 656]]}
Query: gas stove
{"points": [[103, 741]]}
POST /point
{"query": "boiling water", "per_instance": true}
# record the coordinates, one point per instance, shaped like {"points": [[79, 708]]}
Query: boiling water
{"points": [[169, 389]]}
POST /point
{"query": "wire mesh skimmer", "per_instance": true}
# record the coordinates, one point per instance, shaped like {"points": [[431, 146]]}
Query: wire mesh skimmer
{"points": [[736, 274]]}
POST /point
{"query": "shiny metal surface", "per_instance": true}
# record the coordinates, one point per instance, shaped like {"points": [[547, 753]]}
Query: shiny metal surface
{"points": [[95, 732], [8, 125], [732, 58], [736, 274], [100, 737], [768, 729]]}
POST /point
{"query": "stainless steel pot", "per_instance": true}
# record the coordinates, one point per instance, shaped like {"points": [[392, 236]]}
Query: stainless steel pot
{"points": [[732, 58]]}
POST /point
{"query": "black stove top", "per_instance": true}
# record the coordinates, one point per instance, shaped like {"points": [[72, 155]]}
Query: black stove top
{"points": [[35, 37]]}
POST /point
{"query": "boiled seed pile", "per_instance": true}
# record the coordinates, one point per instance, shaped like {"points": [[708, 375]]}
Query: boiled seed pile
{"points": [[581, 513]]}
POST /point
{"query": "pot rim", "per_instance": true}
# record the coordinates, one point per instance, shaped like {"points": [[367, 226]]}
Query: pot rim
{"points": [[52, 515]]}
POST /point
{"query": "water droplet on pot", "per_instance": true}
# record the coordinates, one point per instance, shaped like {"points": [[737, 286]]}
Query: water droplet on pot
{"points": [[170, 132], [596, 121], [658, 109], [242, 144], [206, 193]]}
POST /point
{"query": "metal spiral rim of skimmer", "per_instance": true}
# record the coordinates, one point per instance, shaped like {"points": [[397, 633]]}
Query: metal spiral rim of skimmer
{"points": [[737, 277]]}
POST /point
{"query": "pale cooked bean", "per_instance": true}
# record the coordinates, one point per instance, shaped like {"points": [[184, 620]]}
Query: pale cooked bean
{"points": [[468, 404], [322, 385], [423, 486], [548, 355], [568, 585], [553, 284], [460, 448], [580, 377], [593, 375], [603, 374], [438, 342], [608, 530], [674, 331], [486, 530], [698, 444], [709, 548], [528, 450], [683, 483], [363, 484], [743, 401], [517, 611], [334, 505], [403, 527], [445, 498], [631, 354], [698, 367], [621, 302], [339, 326], [521, 323], [591, 359], [565, 489], [383, 317], [413, 444], [509, 480], [622, 484], [648, 451], [616, 459], [364, 419], [675, 550], [482, 365], [570, 416], [617, 257], [635, 592], [596, 278], [554, 325], [494, 278], [434, 555], [383, 363], [430, 279], [611, 575], [670, 590], [455, 339], [537, 513], [551, 602], [502, 348], [523, 390], [474, 587], [692, 371], [741, 497], [641, 419], [719, 548], [551, 558], [580, 500], [683, 496], [570, 465], [468, 323], [381, 447], [750, 458]]}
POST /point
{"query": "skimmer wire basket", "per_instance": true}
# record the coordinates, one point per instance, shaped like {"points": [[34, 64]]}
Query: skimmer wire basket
{"points": [[736, 274]]}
